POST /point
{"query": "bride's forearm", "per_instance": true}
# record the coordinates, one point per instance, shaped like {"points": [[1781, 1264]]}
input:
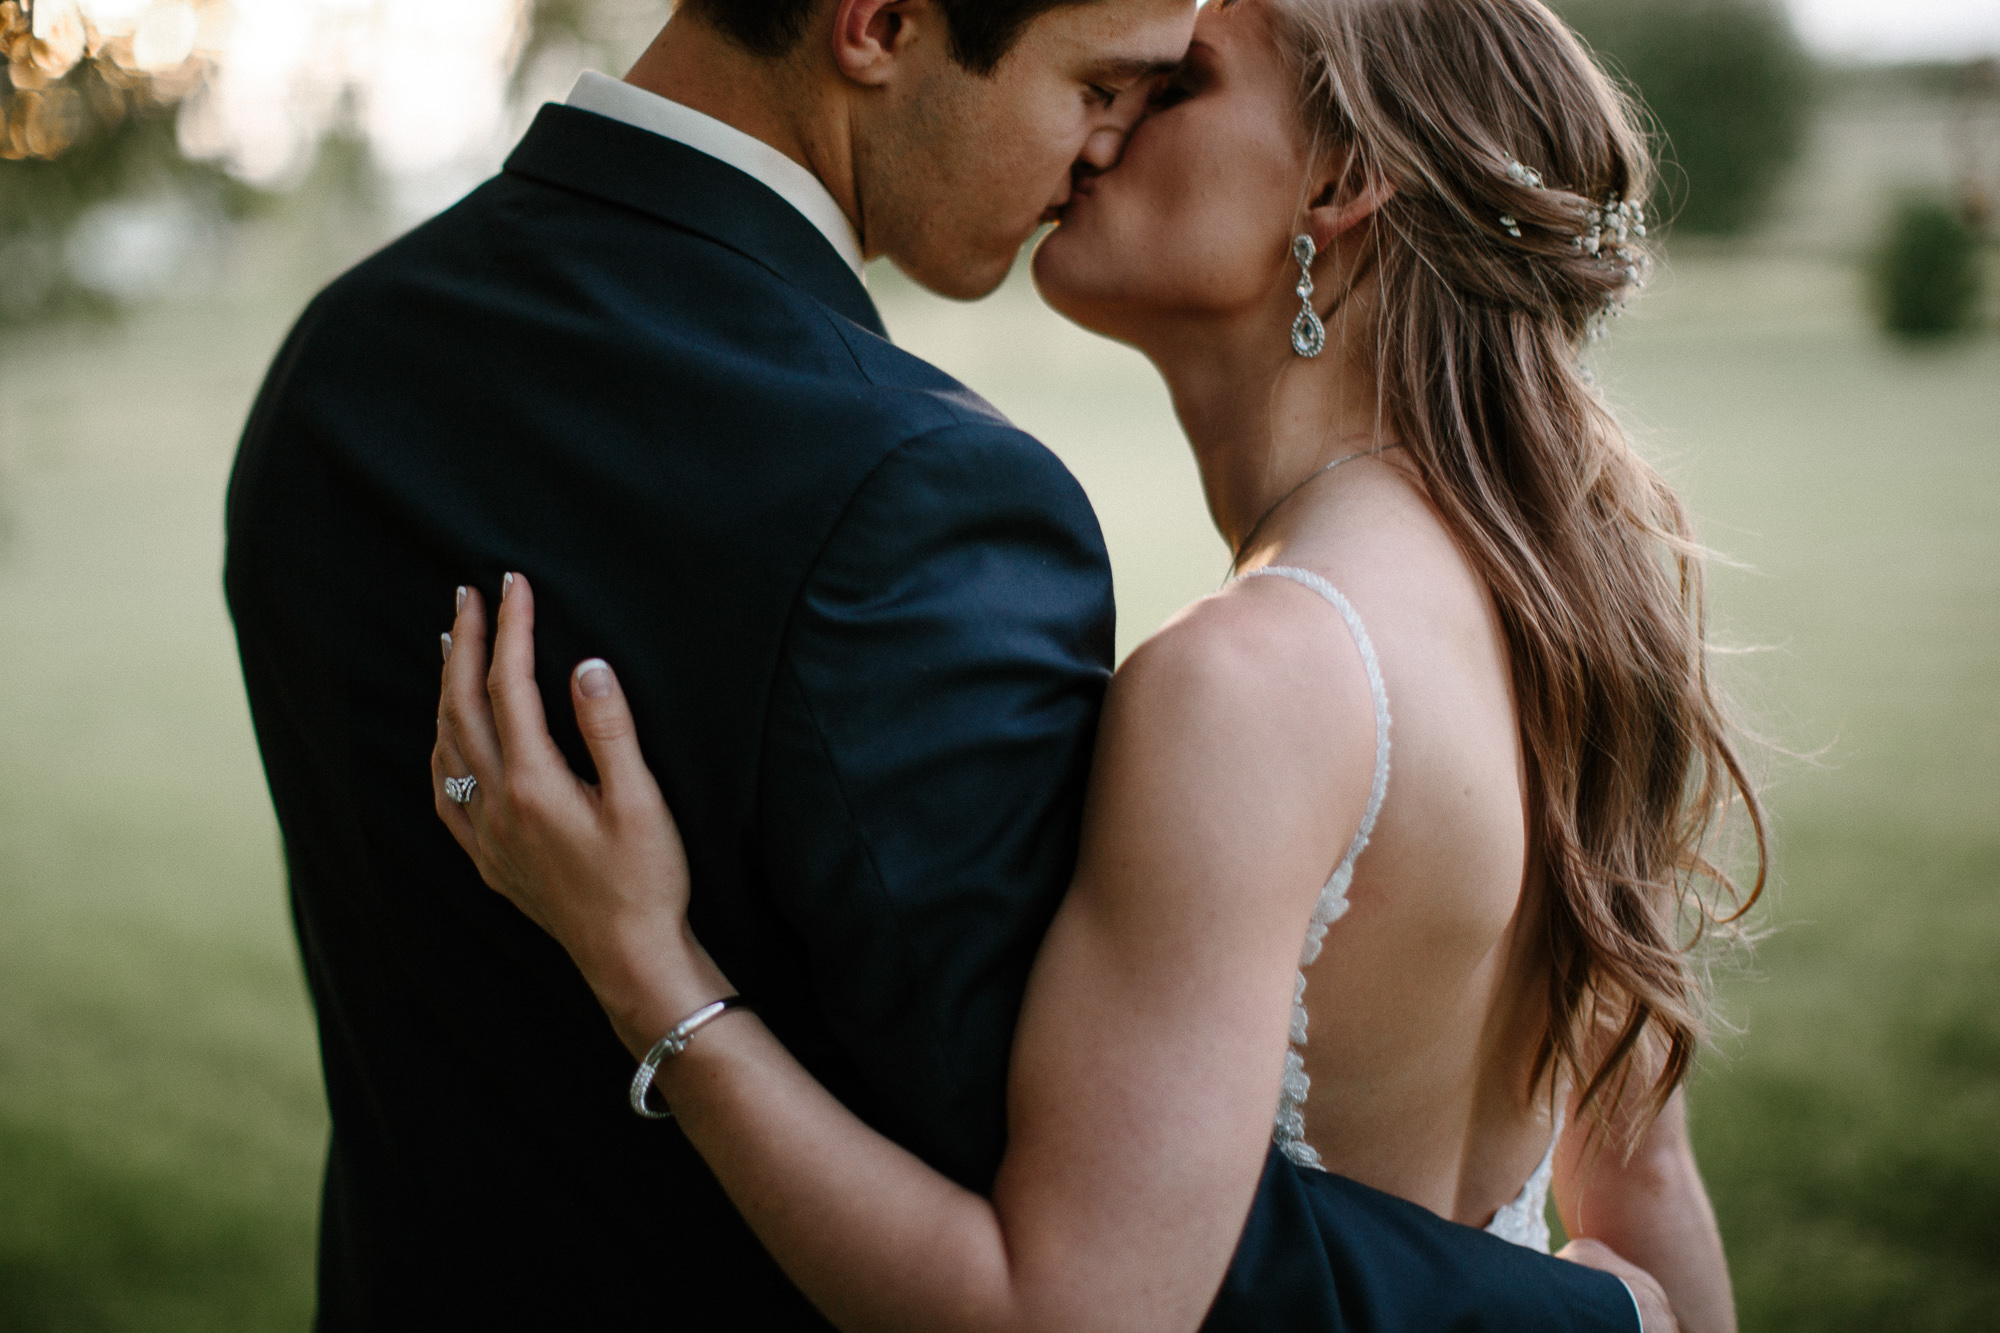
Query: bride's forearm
{"points": [[648, 977], [870, 1233]]}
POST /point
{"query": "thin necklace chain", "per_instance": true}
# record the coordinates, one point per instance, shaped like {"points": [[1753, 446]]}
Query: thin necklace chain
{"points": [[1305, 481]]}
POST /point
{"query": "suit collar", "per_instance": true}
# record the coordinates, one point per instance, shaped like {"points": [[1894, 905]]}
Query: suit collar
{"points": [[621, 164], [753, 157]]}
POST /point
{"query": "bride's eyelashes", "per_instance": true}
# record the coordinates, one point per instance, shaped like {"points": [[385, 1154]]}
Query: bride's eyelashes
{"points": [[1170, 92], [1180, 83]]}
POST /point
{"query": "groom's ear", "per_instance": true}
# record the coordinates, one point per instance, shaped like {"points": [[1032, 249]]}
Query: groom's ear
{"points": [[869, 36], [1346, 193]]}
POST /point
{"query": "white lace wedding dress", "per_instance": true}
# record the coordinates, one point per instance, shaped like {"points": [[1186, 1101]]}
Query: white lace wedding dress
{"points": [[1525, 1220]]}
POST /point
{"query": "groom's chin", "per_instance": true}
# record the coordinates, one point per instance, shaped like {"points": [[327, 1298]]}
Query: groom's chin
{"points": [[967, 280]]}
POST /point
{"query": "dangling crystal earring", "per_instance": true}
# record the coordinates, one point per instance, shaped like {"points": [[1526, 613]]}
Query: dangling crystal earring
{"points": [[1308, 334]]}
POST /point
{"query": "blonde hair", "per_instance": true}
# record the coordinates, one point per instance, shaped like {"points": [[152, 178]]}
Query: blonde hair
{"points": [[1508, 147]]}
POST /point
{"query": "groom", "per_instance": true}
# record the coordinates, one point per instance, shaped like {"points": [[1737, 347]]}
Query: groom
{"points": [[865, 622]]}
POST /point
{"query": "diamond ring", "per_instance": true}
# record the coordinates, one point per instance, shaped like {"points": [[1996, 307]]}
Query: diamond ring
{"points": [[460, 789]]}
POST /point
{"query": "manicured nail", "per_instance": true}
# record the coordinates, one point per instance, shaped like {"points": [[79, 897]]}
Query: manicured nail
{"points": [[594, 678], [506, 586], [461, 598], [445, 639]]}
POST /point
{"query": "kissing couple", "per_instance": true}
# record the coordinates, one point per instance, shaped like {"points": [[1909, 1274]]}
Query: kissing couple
{"points": [[1273, 981]]}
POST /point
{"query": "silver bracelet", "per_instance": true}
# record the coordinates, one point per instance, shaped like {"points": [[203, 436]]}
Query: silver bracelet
{"points": [[673, 1044]]}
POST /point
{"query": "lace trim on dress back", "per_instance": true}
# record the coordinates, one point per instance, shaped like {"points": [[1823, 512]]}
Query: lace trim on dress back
{"points": [[1289, 1133], [1525, 1221]]}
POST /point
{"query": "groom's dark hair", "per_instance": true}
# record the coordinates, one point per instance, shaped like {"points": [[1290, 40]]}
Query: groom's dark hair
{"points": [[982, 31]]}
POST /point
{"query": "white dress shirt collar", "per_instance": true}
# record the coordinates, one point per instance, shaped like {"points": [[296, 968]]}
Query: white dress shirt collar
{"points": [[753, 157]]}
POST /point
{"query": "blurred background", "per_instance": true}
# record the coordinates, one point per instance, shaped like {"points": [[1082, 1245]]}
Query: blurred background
{"points": [[1815, 365]]}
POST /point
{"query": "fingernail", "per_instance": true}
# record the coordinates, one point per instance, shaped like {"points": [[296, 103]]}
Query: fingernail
{"points": [[506, 586], [461, 598], [594, 678], [445, 639]]}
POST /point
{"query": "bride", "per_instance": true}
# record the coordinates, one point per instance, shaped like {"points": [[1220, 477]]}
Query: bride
{"points": [[1460, 667]]}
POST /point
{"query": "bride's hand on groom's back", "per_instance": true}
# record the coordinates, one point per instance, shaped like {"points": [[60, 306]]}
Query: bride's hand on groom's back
{"points": [[1655, 1315], [599, 867]]}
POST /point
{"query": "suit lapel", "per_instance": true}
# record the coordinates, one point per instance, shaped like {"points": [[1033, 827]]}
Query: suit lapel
{"points": [[622, 164]]}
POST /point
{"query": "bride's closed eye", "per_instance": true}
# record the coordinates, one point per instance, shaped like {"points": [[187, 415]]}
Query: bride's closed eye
{"points": [[1171, 93], [1184, 81]]}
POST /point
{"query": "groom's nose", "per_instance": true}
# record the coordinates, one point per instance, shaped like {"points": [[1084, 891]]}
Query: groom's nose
{"points": [[1102, 148]]}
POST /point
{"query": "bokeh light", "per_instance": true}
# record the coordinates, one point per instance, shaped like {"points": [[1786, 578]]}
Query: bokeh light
{"points": [[262, 81], [424, 83]]}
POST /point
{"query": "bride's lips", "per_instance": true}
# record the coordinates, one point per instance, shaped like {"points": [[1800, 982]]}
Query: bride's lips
{"points": [[1081, 187]]}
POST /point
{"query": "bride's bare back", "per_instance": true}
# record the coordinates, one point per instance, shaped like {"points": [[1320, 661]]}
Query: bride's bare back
{"points": [[1427, 1000]]}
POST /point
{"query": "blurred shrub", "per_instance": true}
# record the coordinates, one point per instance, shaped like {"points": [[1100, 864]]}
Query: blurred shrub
{"points": [[1728, 83], [1927, 274]]}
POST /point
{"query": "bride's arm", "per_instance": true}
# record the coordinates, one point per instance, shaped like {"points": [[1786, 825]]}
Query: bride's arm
{"points": [[1651, 1208], [1148, 1054]]}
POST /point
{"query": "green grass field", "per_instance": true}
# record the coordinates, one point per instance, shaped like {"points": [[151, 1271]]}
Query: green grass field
{"points": [[160, 1114]]}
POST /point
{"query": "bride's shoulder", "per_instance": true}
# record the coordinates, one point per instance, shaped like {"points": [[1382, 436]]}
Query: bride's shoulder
{"points": [[1246, 631], [1233, 732], [1254, 666]]}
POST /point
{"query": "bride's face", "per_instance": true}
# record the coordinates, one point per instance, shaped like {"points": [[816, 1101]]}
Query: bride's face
{"points": [[1195, 221]]}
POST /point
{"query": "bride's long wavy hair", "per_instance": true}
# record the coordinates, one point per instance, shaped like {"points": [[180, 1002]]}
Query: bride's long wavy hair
{"points": [[1508, 148]]}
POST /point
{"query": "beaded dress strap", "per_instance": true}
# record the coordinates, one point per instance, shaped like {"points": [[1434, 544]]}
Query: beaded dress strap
{"points": [[1289, 1133]]}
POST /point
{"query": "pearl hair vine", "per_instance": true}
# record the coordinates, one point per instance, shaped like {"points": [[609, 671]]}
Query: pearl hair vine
{"points": [[1608, 232], [1612, 228], [1619, 219], [1527, 178]]}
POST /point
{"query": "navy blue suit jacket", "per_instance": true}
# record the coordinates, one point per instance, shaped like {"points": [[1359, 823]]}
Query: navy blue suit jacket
{"points": [[866, 626]]}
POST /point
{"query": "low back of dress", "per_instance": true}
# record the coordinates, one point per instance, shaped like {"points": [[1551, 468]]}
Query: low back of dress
{"points": [[1524, 1220]]}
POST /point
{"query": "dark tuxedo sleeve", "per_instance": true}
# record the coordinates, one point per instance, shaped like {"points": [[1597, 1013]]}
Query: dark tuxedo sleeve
{"points": [[1323, 1254], [924, 765]]}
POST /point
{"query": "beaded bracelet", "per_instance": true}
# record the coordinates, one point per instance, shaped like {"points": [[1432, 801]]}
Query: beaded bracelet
{"points": [[673, 1044]]}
